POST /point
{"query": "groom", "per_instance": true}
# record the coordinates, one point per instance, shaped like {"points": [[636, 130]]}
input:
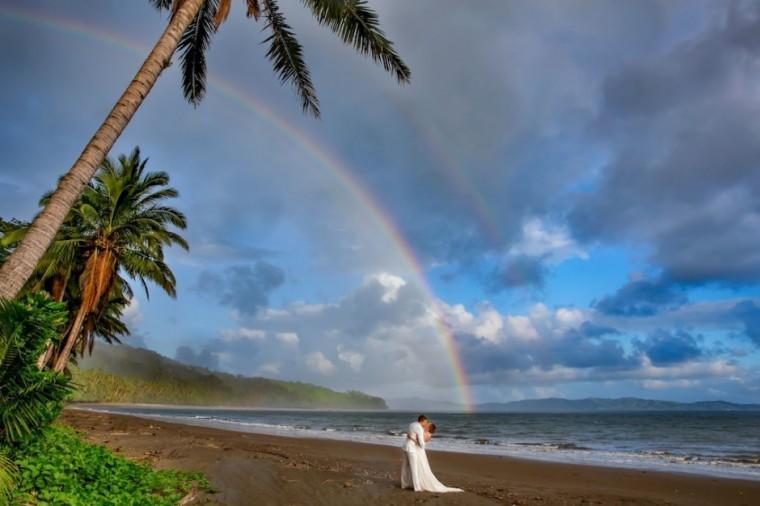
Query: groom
{"points": [[415, 438]]}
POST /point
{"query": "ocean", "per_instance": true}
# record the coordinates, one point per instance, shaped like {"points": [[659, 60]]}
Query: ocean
{"points": [[723, 444]]}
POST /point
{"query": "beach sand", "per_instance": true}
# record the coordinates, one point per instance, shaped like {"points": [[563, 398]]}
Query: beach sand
{"points": [[252, 469]]}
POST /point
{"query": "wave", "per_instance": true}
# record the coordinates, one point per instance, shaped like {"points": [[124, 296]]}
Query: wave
{"points": [[721, 463]]}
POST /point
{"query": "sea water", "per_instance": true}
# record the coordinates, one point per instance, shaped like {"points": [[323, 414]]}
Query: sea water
{"points": [[713, 443]]}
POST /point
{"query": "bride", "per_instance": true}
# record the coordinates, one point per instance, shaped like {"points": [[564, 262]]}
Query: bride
{"points": [[415, 469]]}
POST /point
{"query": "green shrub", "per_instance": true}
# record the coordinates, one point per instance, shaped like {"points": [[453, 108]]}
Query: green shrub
{"points": [[58, 468]]}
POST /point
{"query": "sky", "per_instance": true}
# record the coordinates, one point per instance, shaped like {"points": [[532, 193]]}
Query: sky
{"points": [[564, 201]]}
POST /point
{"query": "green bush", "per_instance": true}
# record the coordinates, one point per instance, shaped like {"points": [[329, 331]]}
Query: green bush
{"points": [[58, 468], [29, 398]]}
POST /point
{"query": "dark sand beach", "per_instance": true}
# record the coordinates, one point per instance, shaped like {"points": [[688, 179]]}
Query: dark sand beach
{"points": [[248, 469]]}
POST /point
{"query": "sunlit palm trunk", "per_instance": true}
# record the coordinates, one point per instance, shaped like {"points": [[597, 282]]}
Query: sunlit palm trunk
{"points": [[68, 342], [19, 266], [99, 274]]}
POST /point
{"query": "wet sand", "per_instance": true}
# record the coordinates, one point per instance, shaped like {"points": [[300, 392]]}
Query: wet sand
{"points": [[253, 469]]}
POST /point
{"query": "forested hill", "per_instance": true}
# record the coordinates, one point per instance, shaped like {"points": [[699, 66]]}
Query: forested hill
{"points": [[136, 375]]}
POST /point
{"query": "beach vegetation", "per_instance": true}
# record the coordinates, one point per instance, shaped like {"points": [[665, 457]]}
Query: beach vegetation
{"points": [[59, 468]]}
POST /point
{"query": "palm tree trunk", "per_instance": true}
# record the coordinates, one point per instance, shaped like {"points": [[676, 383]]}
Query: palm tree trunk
{"points": [[71, 338], [19, 266]]}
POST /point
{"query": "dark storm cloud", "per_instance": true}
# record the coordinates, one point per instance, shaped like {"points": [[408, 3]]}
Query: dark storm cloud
{"points": [[748, 313], [683, 175], [666, 348], [244, 288], [572, 349], [641, 298], [204, 358]]}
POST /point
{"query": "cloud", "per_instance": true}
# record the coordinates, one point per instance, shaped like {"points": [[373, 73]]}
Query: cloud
{"points": [[666, 348], [204, 358], [748, 313], [317, 362], [288, 338], [545, 240], [244, 333], [641, 298], [352, 358], [270, 369], [516, 271], [686, 187], [243, 288], [132, 315]]}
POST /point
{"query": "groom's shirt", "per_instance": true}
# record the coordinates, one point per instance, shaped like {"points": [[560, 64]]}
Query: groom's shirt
{"points": [[415, 428]]}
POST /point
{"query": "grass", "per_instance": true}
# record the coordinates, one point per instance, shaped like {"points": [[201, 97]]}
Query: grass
{"points": [[59, 468]]}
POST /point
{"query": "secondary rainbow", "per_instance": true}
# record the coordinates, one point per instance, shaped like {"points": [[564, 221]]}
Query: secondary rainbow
{"points": [[341, 174]]}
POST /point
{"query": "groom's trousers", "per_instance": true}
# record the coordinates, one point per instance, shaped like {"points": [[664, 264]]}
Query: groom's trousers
{"points": [[410, 476]]}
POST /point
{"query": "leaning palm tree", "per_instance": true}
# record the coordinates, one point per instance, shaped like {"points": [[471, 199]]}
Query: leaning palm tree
{"points": [[120, 224], [191, 26]]}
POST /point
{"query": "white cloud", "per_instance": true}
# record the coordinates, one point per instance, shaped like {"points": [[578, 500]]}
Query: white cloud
{"points": [[244, 333], [132, 314], [289, 338], [317, 362], [490, 325], [540, 239], [270, 368], [391, 283], [352, 358]]}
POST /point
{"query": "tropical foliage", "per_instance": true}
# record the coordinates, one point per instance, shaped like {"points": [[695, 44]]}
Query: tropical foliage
{"points": [[119, 226], [352, 20], [29, 397], [191, 26], [60, 469]]}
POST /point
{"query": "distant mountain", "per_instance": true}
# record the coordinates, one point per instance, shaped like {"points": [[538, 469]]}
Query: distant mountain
{"points": [[417, 404], [123, 374], [558, 405]]}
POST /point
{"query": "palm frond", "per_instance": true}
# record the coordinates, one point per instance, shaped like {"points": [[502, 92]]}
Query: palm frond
{"points": [[192, 46], [29, 398], [254, 9], [8, 475], [358, 25], [286, 55], [222, 12], [161, 4]]}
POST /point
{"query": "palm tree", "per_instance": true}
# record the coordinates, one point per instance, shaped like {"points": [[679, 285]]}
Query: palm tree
{"points": [[119, 225], [191, 26]]}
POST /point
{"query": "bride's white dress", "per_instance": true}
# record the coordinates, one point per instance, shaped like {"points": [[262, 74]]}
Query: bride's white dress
{"points": [[416, 472]]}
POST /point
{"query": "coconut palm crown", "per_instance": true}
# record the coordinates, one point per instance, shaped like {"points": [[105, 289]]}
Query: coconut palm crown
{"points": [[190, 29], [120, 225], [352, 20]]}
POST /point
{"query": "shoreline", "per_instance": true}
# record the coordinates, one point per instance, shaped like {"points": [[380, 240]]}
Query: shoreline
{"points": [[522, 451], [293, 470]]}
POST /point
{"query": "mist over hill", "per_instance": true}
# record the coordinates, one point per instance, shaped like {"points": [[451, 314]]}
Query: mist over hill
{"points": [[135, 375]]}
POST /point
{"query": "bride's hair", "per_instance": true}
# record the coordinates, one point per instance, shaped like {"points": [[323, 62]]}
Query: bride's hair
{"points": [[432, 428]]}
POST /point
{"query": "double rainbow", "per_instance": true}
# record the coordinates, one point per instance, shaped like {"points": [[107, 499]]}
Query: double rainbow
{"points": [[343, 176]]}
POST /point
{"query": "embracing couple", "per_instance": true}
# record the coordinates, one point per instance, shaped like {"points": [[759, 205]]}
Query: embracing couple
{"points": [[415, 469]]}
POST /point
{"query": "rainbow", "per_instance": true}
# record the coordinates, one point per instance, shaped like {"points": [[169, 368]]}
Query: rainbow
{"points": [[453, 172], [341, 174]]}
